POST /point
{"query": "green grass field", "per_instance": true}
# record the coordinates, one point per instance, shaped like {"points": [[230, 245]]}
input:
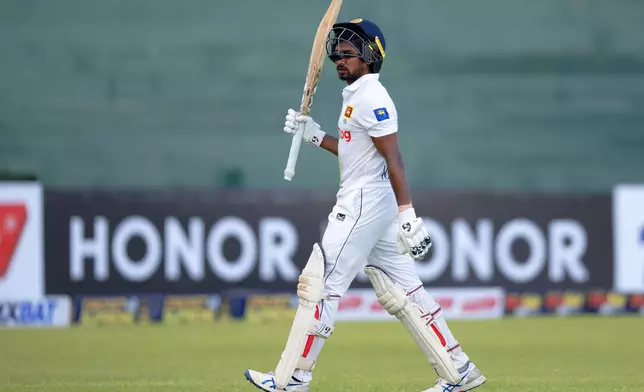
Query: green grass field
{"points": [[528, 355]]}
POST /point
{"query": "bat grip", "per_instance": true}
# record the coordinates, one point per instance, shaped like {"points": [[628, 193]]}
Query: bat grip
{"points": [[296, 143]]}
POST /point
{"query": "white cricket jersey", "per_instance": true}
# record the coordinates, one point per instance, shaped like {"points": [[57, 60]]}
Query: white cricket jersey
{"points": [[367, 110]]}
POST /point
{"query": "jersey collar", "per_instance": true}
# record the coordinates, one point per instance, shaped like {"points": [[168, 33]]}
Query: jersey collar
{"points": [[360, 82]]}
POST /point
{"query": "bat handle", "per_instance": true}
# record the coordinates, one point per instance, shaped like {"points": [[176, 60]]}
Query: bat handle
{"points": [[296, 142]]}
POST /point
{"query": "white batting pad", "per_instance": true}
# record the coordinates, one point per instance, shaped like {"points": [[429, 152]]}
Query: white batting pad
{"points": [[309, 290], [395, 301]]}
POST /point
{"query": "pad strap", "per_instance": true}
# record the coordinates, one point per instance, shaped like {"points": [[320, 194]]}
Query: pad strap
{"points": [[320, 329], [306, 364]]}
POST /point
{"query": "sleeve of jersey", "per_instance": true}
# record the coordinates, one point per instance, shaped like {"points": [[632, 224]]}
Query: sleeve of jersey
{"points": [[380, 118]]}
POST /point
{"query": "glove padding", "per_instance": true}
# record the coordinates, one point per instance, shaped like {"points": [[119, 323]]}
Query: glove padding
{"points": [[312, 132], [413, 237]]}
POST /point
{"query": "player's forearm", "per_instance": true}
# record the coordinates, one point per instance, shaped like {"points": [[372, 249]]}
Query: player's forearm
{"points": [[330, 143], [398, 179]]}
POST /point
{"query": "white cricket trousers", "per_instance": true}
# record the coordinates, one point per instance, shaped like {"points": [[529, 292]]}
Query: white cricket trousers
{"points": [[362, 229]]}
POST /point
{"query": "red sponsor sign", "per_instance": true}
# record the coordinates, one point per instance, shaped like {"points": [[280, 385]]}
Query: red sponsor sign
{"points": [[456, 303], [446, 303], [480, 304], [12, 222], [350, 302]]}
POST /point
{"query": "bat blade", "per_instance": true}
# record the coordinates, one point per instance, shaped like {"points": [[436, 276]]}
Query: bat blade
{"points": [[316, 63]]}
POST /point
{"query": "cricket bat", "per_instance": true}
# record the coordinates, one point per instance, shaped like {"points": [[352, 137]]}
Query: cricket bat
{"points": [[318, 53]]}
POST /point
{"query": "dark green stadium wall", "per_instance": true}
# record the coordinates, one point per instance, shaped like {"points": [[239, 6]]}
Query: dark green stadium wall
{"points": [[495, 94]]}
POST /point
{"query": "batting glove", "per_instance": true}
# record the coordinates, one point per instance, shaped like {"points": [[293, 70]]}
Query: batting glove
{"points": [[312, 132], [413, 237]]}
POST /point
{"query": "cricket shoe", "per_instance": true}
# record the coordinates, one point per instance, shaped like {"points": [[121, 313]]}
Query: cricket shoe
{"points": [[266, 382], [471, 378]]}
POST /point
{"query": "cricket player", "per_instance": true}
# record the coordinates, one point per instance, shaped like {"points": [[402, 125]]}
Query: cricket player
{"points": [[373, 221]]}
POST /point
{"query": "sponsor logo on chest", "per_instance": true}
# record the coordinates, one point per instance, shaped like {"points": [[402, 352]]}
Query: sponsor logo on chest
{"points": [[345, 134]]}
